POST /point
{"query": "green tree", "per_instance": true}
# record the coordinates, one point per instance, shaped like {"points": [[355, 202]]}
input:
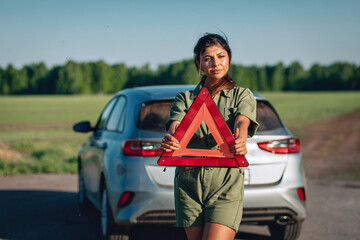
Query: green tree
{"points": [[294, 74], [278, 78], [86, 78], [69, 79], [341, 76], [189, 75], [101, 81], [356, 81], [120, 77], [35, 73], [15, 79], [317, 79], [263, 84], [142, 76], [4, 87], [244, 76]]}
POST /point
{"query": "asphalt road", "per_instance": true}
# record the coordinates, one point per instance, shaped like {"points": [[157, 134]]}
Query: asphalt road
{"points": [[44, 207]]}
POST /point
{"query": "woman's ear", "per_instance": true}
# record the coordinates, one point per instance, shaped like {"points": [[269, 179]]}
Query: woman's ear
{"points": [[197, 64]]}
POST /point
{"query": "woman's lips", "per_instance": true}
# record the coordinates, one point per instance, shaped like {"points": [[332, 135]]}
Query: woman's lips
{"points": [[217, 71]]}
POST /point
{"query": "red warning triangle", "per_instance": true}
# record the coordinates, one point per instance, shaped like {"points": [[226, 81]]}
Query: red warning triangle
{"points": [[203, 109]]}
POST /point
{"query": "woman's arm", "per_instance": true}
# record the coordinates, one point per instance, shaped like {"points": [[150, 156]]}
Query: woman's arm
{"points": [[241, 133], [169, 143]]}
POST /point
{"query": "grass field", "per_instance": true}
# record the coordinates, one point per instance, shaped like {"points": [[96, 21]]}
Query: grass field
{"points": [[302, 108], [36, 131]]}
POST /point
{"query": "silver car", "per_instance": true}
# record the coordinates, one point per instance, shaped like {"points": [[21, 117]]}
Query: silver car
{"points": [[119, 175]]}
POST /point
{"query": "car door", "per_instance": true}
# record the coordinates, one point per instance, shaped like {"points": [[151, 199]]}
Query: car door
{"points": [[113, 134], [95, 151]]}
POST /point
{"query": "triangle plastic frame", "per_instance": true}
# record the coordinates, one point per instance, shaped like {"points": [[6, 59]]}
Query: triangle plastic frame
{"points": [[203, 109]]}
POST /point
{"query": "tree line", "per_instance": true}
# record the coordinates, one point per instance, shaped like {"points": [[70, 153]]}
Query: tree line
{"points": [[100, 77]]}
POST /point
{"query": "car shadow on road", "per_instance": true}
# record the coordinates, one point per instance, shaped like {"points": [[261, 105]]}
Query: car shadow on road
{"points": [[28, 214], [35, 214], [251, 236]]}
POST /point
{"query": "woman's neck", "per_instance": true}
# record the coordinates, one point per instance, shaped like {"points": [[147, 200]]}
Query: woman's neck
{"points": [[214, 86], [211, 84]]}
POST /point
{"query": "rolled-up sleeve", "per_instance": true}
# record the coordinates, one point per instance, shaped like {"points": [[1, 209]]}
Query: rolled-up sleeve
{"points": [[246, 106], [178, 110]]}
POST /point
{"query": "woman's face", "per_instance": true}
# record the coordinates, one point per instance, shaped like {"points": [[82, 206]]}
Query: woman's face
{"points": [[214, 62]]}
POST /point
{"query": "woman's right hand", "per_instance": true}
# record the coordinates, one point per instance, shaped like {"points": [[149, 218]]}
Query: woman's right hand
{"points": [[169, 143]]}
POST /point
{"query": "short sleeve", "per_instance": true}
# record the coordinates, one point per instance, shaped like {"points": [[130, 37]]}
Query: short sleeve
{"points": [[246, 106], [178, 110]]}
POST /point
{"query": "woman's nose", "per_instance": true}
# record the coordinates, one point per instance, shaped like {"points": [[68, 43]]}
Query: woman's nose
{"points": [[216, 62]]}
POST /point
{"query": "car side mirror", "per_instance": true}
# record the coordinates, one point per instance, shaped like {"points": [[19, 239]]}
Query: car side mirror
{"points": [[83, 127]]}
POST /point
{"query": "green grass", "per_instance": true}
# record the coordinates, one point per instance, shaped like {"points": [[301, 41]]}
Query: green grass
{"points": [[40, 127], [47, 160], [44, 109], [297, 109]]}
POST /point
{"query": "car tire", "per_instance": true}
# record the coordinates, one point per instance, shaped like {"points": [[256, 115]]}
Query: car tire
{"points": [[83, 201], [285, 232], [108, 229]]}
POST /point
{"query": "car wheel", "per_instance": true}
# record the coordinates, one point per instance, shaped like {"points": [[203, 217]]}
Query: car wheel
{"points": [[285, 232], [108, 229], [83, 202]]}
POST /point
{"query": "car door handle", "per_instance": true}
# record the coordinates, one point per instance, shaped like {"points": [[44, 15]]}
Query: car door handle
{"points": [[103, 145]]}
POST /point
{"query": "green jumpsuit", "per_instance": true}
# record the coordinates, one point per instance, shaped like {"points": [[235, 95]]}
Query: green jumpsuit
{"points": [[211, 194]]}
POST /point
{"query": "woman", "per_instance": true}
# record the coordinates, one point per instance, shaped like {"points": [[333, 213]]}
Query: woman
{"points": [[209, 200]]}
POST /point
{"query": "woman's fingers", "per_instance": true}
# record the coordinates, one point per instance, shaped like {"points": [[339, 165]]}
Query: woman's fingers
{"points": [[237, 133], [170, 137], [239, 146], [168, 147], [169, 143]]}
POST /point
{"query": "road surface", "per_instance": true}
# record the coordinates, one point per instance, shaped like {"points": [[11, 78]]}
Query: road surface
{"points": [[44, 206]]}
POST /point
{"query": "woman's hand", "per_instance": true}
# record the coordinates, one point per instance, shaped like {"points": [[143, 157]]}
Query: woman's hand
{"points": [[241, 132], [169, 143], [239, 146]]}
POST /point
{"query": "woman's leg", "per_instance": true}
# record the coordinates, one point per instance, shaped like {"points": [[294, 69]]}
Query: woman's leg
{"points": [[194, 233], [215, 231]]}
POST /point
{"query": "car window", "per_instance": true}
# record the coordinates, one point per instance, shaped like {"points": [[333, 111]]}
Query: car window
{"points": [[121, 123], [269, 121], [154, 115], [105, 114], [116, 120]]}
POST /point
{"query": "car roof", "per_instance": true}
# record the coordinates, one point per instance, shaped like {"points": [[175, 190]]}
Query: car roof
{"points": [[164, 91]]}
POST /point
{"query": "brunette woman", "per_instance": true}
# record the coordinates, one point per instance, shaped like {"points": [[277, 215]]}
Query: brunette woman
{"points": [[209, 200]]}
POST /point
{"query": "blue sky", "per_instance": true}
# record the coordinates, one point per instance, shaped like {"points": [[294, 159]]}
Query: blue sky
{"points": [[160, 32]]}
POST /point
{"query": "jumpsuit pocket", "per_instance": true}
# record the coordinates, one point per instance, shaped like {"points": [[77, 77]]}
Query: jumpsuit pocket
{"points": [[230, 117]]}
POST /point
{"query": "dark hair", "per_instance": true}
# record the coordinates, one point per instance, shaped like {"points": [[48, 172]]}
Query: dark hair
{"points": [[208, 40]]}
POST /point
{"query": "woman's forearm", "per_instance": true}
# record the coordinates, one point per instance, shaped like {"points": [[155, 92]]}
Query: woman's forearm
{"points": [[242, 123]]}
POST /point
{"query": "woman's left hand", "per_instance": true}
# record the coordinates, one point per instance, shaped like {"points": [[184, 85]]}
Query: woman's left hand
{"points": [[239, 146]]}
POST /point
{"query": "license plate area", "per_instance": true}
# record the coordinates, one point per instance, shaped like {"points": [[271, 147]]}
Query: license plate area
{"points": [[246, 176]]}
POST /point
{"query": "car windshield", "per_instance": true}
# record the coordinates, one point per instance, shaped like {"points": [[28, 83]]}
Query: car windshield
{"points": [[269, 121], [154, 115]]}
